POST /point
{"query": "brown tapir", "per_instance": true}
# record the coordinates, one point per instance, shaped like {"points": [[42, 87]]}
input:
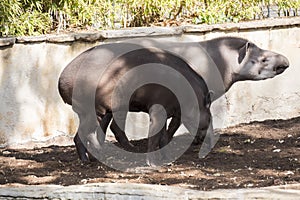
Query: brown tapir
{"points": [[232, 59], [157, 82]]}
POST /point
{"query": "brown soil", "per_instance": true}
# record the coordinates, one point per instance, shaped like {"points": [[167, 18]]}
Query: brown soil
{"points": [[251, 155]]}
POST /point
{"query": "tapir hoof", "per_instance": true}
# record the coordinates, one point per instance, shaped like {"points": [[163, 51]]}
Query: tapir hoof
{"points": [[197, 140], [84, 158], [81, 150], [153, 160], [128, 146], [165, 139]]}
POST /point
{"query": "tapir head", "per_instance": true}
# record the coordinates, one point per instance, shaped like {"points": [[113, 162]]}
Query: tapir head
{"points": [[259, 64]]}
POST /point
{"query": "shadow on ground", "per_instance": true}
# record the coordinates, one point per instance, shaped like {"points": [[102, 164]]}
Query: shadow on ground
{"points": [[249, 155]]}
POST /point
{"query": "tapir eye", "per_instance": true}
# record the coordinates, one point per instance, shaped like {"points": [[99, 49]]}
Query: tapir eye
{"points": [[264, 60]]}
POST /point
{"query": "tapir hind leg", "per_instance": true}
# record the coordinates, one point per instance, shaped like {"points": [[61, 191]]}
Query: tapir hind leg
{"points": [[81, 149], [101, 130], [118, 130], [85, 138], [101, 133]]}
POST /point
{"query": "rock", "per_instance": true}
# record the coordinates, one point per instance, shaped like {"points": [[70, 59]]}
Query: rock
{"points": [[31, 39], [7, 41]]}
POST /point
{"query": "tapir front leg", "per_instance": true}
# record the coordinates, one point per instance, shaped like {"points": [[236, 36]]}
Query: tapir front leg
{"points": [[209, 142], [118, 130], [172, 128], [199, 137], [157, 128]]}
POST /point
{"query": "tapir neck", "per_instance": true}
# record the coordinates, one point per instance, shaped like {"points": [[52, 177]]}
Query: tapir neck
{"points": [[227, 76], [224, 59]]}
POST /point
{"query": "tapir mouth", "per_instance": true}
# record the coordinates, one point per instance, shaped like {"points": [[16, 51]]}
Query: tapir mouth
{"points": [[280, 69]]}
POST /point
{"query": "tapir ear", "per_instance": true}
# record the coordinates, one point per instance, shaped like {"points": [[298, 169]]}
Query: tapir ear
{"points": [[243, 51]]}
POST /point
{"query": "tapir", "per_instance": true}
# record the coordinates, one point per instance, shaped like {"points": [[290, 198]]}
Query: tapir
{"points": [[229, 58], [165, 86]]}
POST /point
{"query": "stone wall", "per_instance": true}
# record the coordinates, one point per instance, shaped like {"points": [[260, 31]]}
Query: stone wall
{"points": [[124, 191], [32, 110]]}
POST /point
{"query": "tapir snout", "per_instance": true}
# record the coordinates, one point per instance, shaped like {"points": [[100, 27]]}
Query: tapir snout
{"points": [[259, 64], [283, 64]]}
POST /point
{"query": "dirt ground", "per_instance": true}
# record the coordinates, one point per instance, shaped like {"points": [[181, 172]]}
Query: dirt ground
{"points": [[250, 155]]}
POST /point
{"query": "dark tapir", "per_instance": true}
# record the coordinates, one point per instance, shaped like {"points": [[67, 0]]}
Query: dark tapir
{"points": [[157, 82], [232, 59]]}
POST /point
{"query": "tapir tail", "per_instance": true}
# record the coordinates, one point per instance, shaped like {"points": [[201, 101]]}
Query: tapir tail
{"points": [[64, 91]]}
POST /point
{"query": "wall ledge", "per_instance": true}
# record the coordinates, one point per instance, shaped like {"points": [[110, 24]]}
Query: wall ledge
{"points": [[142, 191], [250, 25], [152, 31], [7, 41]]}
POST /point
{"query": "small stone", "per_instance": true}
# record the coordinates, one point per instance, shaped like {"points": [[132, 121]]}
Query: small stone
{"points": [[289, 173], [217, 174], [6, 153], [277, 150], [281, 141], [250, 185], [84, 181]]}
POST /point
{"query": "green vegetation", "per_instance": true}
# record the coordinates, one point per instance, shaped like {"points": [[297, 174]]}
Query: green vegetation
{"points": [[34, 17]]}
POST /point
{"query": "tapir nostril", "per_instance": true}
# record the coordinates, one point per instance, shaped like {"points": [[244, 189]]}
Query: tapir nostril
{"points": [[281, 68], [282, 64]]}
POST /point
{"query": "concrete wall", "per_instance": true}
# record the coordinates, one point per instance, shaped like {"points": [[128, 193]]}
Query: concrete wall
{"points": [[31, 108]]}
